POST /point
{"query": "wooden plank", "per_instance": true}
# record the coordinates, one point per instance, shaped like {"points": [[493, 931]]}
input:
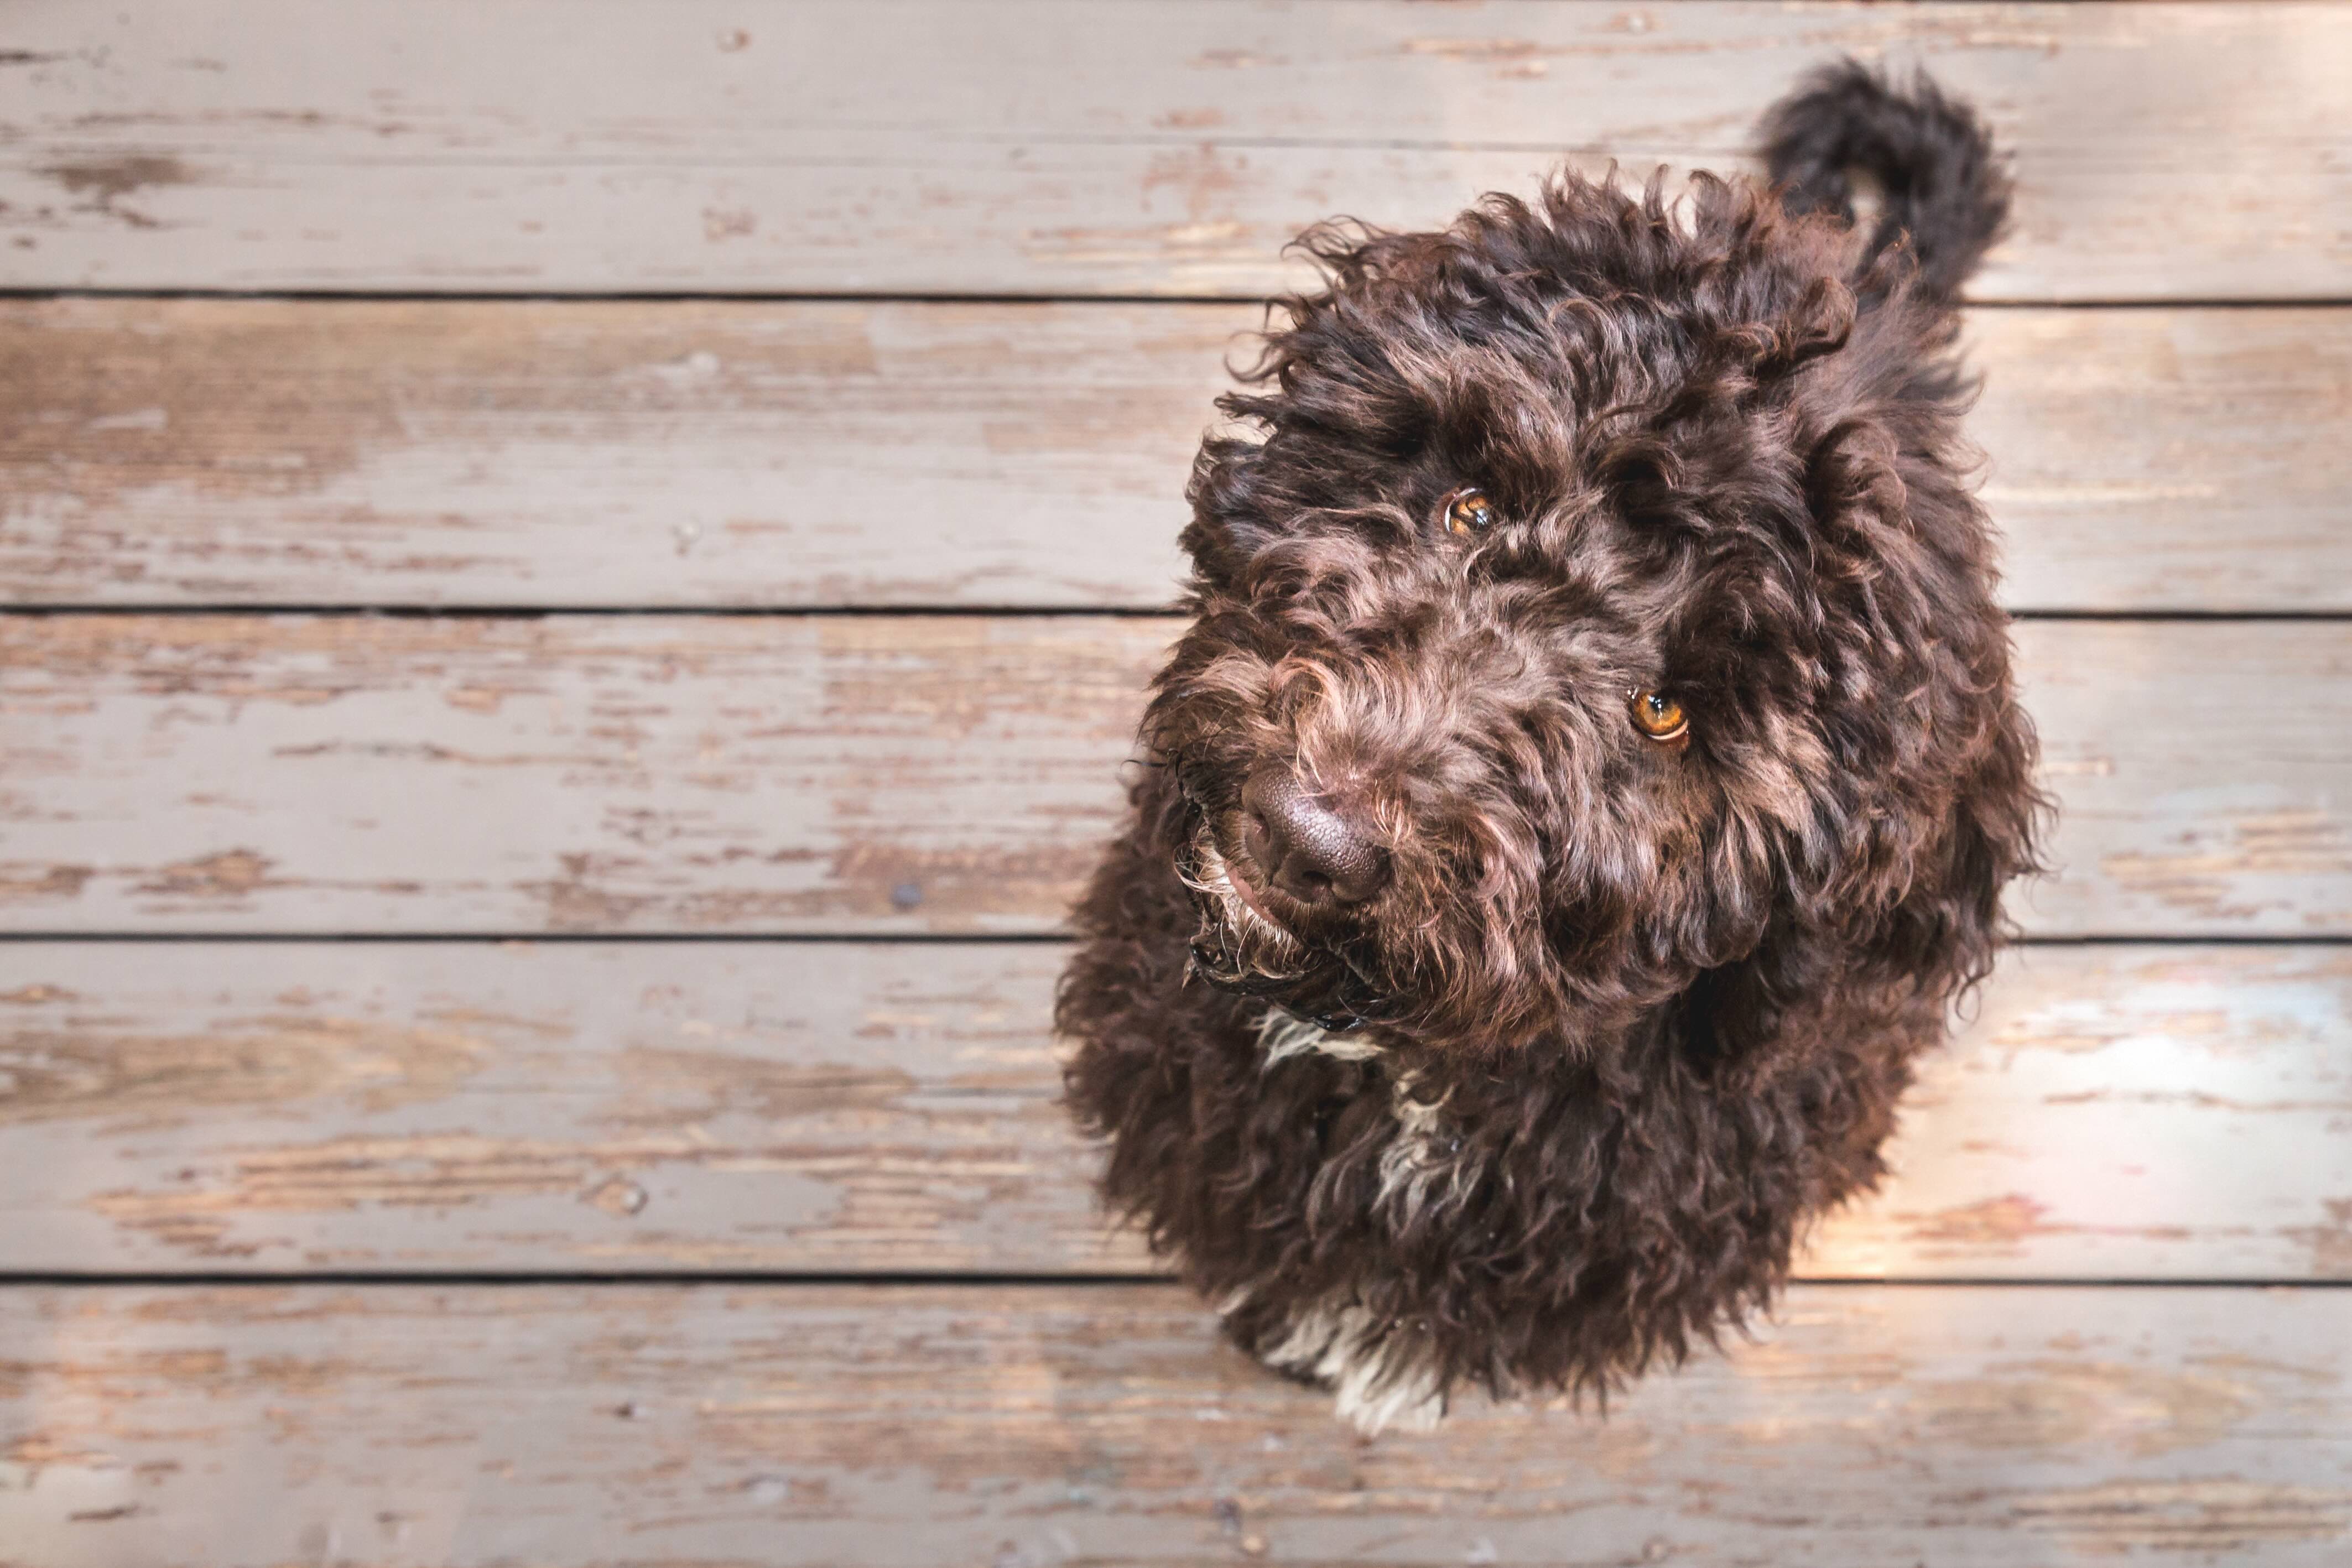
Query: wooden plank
{"points": [[2169, 459], [1057, 147], [687, 453], [501, 776], [876, 774], [601, 452], [684, 1427], [2120, 1113]]}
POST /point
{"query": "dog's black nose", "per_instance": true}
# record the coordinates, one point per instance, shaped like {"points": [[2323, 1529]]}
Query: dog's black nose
{"points": [[1305, 849]]}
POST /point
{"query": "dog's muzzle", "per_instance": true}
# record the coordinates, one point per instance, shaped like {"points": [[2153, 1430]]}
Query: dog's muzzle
{"points": [[1240, 949]]}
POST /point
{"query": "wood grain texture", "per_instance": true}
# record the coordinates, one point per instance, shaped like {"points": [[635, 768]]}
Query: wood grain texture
{"points": [[943, 774], [2134, 1113], [1055, 147], [395, 1427], [503, 775], [589, 454]]}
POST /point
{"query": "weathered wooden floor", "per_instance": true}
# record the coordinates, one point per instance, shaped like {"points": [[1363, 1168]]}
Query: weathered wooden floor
{"points": [[578, 574]]}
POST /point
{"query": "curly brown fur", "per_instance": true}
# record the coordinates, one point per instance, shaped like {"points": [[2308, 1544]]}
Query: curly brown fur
{"points": [[1623, 1015]]}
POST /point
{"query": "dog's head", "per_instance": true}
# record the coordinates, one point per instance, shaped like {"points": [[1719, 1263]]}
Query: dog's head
{"points": [[1595, 604]]}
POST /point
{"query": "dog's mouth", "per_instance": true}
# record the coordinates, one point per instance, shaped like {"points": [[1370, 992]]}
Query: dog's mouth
{"points": [[1246, 946], [1229, 894]]}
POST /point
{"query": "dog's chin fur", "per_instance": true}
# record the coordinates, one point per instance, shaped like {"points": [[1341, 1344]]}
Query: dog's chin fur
{"points": [[1555, 1102]]}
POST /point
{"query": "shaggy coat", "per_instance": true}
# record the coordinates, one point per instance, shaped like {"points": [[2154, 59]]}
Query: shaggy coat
{"points": [[1601, 1011]]}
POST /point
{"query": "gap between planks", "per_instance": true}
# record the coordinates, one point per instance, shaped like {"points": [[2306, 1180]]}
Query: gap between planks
{"points": [[37, 295], [813, 611], [787, 1279]]}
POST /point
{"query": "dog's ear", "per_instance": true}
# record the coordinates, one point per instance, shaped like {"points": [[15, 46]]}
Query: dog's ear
{"points": [[1890, 899], [1929, 806], [1918, 894], [1225, 530], [1935, 839], [1949, 923]]}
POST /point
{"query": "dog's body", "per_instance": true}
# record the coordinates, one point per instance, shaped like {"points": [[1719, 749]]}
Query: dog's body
{"points": [[1589, 778]]}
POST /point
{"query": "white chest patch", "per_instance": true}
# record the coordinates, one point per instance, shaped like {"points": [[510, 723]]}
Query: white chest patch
{"points": [[1424, 1163], [1379, 1379], [1281, 1036]]}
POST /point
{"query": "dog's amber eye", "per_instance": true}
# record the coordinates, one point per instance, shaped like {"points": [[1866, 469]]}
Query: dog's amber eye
{"points": [[1659, 717], [1467, 511]]}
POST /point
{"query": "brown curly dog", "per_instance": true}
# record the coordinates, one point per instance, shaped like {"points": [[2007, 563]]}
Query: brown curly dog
{"points": [[1588, 779]]}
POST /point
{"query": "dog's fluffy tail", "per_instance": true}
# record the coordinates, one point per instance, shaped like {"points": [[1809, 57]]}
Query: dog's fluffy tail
{"points": [[1930, 156]]}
